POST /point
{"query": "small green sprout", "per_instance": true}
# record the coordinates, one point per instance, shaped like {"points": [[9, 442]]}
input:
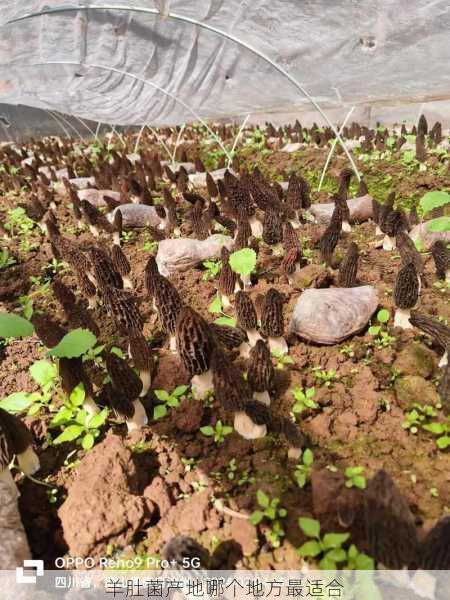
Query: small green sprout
{"points": [[304, 399], [218, 432], [325, 377], [303, 470], [171, 400], [273, 512], [232, 468], [347, 350], [212, 269], [282, 359], [381, 336], [355, 478], [5, 259]]}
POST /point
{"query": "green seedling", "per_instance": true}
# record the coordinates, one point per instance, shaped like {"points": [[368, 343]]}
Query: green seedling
{"points": [[347, 350], [6, 260], [442, 431], [303, 470], [419, 415], [355, 478], [189, 464], [212, 269], [270, 510], [17, 222], [127, 236], [94, 355], [231, 469], [304, 399], [381, 337], [325, 377], [167, 400], [282, 359], [215, 308], [84, 429], [328, 549], [218, 433]]}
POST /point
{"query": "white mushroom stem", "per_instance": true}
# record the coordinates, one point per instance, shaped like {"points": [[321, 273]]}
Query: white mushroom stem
{"points": [[295, 222], [278, 345], [256, 227], [253, 336], [90, 406], [388, 243], [80, 224], [202, 385], [246, 281], [263, 397], [92, 302], [291, 277], [173, 344], [346, 226], [116, 238], [447, 276], [162, 224], [378, 230], [246, 428], [401, 318], [127, 282], [6, 476], [244, 350], [177, 232], [91, 278], [139, 419], [226, 303], [43, 228], [94, 230], [28, 461], [294, 453], [146, 382], [444, 360], [53, 205], [278, 250], [135, 199]]}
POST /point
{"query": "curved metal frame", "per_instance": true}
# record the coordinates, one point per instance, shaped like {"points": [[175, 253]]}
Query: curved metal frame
{"points": [[224, 34]]}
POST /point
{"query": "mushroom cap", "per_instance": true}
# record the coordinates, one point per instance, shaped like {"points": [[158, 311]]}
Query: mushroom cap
{"points": [[227, 277], [363, 189], [294, 192], [292, 257], [435, 549], [349, 267], [48, 330], [104, 270], [211, 186], [272, 226], [123, 378], [230, 388], [119, 260], [258, 412], [434, 328], [390, 527], [63, 294], [287, 428], [422, 126], [272, 324], [199, 224], [290, 238], [118, 221], [408, 251], [393, 222], [229, 337], [194, 341], [121, 306], [340, 199], [86, 286], [245, 311], [15, 438], [244, 233], [441, 257], [116, 399], [406, 289], [78, 260], [140, 350], [72, 372], [182, 547], [168, 303], [261, 372]]}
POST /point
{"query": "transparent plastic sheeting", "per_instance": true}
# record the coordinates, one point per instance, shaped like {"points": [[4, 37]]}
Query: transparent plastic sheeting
{"points": [[39, 584], [112, 62]]}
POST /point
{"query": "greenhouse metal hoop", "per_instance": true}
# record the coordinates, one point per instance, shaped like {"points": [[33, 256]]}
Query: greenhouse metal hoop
{"points": [[224, 34]]}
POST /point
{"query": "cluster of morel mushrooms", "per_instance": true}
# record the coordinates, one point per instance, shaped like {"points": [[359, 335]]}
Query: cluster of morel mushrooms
{"points": [[246, 206]]}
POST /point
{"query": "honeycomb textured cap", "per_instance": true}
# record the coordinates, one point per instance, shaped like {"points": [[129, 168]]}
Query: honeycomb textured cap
{"points": [[230, 387], [261, 373], [119, 260], [140, 350], [245, 311], [121, 306], [195, 341], [348, 268], [406, 290], [123, 378], [437, 330], [272, 324]]}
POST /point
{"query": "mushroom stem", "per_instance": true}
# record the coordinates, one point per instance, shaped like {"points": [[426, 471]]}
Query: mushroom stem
{"points": [[278, 344], [244, 350], [80, 224], [28, 461], [146, 382], [173, 344], [401, 318], [177, 232], [295, 222], [256, 227], [92, 302], [226, 304], [378, 230], [127, 282], [90, 406], [253, 336], [116, 238], [202, 384], [246, 428], [262, 397], [444, 360], [6, 476], [294, 453], [346, 226], [447, 276], [94, 230], [388, 243], [278, 249], [246, 281], [139, 419]]}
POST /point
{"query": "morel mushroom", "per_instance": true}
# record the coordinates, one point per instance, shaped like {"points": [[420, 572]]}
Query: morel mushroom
{"points": [[229, 337], [15, 439], [87, 288], [142, 358], [330, 237], [349, 267], [438, 331], [435, 551], [121, 306], [291, 262], [72, 372], [273, 229], [129, 386], [342, 197], [272, 325], [444, 389], [247, 320], [183, 552], [441, 257], [406, 295], [228, 281], [408, 252], [233, 393], [390, 528], [211, 186], [294, 199], [94, 218], [117, 227], [195, 344], [295, 438], [105, 274], [391, 224], [261, 373], [64, 295], [121, 264], [167, 303]]}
